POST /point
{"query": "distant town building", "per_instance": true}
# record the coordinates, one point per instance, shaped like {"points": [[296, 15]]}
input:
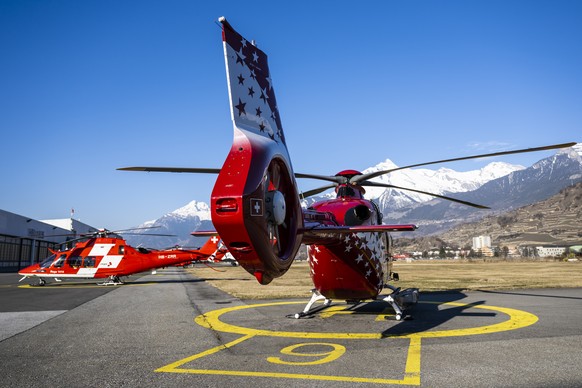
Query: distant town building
{"points": [[550, 251], [513, 251], [487, 252], [481, 242]]}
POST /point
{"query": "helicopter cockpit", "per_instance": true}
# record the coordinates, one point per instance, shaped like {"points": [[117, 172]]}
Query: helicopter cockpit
{"points": [[351, 191], [51, 262]]}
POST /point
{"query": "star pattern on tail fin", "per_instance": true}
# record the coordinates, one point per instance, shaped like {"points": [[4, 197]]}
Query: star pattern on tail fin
{"points": [[253, 104]]}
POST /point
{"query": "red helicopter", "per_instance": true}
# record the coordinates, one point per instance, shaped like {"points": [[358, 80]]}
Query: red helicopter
{"points": [[255, 203], [104, 254]]}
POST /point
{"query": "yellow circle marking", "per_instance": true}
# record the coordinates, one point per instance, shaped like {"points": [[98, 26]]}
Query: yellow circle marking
{"points": [[211, 320], [332, 355], [517, 319]]}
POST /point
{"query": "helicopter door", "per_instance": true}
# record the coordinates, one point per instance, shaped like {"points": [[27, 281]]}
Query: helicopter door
{"points": [[87, 266]]}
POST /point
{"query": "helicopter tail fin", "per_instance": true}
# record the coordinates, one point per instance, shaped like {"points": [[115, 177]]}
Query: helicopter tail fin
{"points": [[210, 246], [253, 106], [255, 205]]}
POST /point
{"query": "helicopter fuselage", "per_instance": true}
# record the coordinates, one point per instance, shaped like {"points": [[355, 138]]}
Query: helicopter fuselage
{"points": [[350, 265], [105, 257]]}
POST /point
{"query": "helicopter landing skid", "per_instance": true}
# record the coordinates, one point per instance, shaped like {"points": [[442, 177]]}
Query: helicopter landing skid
{"points": [[112, 281], [41, 282], [315, 297], [399, 300]]}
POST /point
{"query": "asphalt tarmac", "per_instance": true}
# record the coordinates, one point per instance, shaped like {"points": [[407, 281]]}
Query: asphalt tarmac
{"points": [[172, 329]]}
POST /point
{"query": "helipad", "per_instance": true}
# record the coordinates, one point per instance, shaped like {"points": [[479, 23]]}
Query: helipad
{"points": [[333, 348]]}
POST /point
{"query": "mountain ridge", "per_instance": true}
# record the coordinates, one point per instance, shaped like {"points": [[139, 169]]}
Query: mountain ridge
{"points": [[553, 221], [500, 185], [536, 183]]}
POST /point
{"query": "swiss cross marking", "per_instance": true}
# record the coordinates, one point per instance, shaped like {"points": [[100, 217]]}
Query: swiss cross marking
{"points": [[256, 207]]}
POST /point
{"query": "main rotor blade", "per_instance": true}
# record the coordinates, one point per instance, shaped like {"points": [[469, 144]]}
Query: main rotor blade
{"points": [[74, 240], [376, 184], [173, 169], [364, 177], [195, 170], [331, 178], [127, 230], [336, 179], [309, 193]]}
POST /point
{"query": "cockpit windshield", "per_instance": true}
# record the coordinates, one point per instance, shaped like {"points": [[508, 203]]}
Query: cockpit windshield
{"points": [[345, 191], [48, 261], [51, 262], [60, 261]]}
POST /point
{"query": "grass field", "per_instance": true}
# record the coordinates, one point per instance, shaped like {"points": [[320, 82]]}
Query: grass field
{"points": [[425, 275]]}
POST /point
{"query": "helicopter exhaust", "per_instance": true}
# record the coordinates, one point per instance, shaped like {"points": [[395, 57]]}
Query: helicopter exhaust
{"points": [[357, 215]]}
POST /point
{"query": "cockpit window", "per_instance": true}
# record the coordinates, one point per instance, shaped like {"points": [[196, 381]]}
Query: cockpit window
{"points": [[345, 191], [60, 261], [75, 261], [89, 262], [48, 261]]}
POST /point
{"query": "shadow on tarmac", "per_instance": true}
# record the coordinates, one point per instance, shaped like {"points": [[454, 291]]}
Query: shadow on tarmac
{"points": [[427, 314], [526, 294]]}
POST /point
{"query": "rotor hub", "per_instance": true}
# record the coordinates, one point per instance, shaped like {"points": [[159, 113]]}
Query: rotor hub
{"points": [[276, 207]]}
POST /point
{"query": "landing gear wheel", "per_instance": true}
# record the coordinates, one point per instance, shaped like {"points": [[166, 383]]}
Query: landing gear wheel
{"points": [[398, 317]]}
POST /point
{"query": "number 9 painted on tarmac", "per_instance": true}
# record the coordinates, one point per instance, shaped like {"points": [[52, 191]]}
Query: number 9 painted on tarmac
{"points": [[324, 357]]}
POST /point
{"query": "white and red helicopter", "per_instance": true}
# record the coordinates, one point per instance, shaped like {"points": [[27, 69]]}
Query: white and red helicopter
{"points": [[255, 203], [104, 254]]}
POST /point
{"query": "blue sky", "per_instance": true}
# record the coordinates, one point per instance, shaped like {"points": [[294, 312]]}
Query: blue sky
{"points": [[90, 86]]}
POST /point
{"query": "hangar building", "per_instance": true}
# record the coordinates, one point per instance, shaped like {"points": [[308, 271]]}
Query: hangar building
{"points": [[25, 241]]}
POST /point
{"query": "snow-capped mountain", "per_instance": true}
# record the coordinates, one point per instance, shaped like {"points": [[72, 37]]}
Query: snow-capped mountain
{"points": [[519, 188], [500, 185], [181, 222], [441, 181], [574, 153]]}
